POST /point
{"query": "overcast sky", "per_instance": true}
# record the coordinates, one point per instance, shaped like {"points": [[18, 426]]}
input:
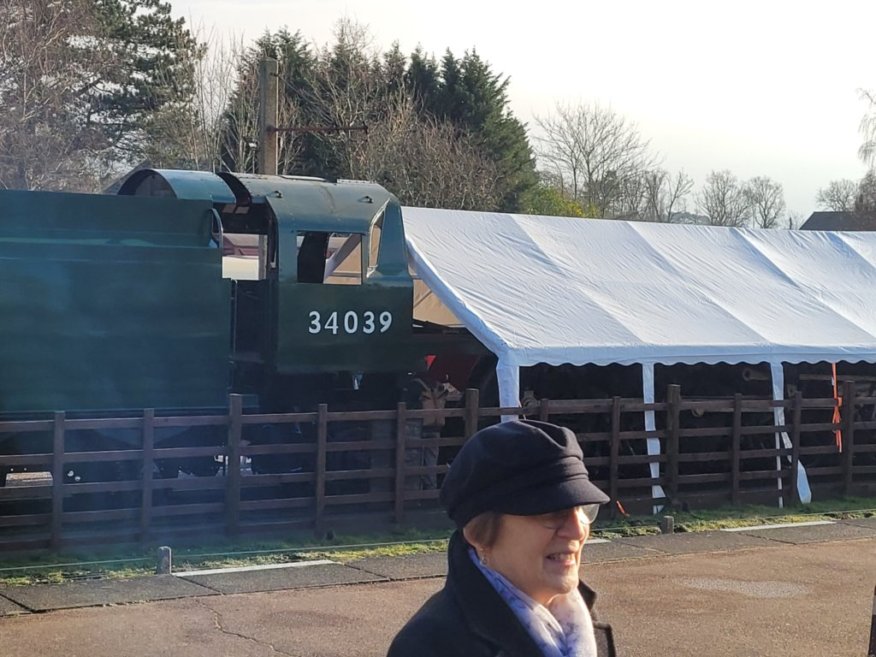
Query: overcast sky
{"points": [[760, 88]]}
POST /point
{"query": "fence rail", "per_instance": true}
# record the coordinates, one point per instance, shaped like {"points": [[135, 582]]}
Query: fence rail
{"points": [[334, 465]]}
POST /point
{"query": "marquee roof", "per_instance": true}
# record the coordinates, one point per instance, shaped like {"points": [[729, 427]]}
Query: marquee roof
{"points": [[563, 290]]}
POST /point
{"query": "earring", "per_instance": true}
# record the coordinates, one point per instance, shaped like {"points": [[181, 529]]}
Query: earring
{"points": [[483, 558]]}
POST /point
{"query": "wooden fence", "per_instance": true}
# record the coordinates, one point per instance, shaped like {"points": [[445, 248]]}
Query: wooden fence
{"points": [[712, 451]]}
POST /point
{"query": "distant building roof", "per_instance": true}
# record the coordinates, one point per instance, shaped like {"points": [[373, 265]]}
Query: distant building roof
{"points": [[840, 221]]}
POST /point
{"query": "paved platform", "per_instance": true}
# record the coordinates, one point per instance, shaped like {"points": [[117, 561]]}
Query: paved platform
{"points": [[278, 579], [686, 543], [617, 551], [798, 535], [415, 566], [861, 522], [9, 608], [766, 598], [48, 597]]}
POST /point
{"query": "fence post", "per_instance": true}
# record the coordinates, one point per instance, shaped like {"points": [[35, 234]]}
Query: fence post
{"points": [[848, 423], [321, 444], [544, 410], [148, 465], [472, 401], [673, 398], [736, 449], [232, 455], [614, 454], [57, 478], [400, 436], [796, 416]]}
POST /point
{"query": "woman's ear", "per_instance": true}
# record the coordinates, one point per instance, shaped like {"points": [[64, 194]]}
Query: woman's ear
{"points": [[467, 535]]}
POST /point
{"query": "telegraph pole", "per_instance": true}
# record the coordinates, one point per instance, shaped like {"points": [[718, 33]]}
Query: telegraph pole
{"points": [[268, 108], [269, 102]]}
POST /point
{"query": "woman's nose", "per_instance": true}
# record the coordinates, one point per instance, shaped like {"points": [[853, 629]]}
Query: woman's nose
{"points": [[575, 525]]}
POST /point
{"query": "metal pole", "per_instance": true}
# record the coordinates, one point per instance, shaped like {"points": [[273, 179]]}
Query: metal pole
{"points": [[268, 108], [165, 561]]}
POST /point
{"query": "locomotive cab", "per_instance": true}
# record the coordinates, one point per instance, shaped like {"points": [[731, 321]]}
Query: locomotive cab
{"points": [[322, 296]]}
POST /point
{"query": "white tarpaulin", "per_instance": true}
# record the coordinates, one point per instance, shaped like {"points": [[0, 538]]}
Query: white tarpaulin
{"points": [[561, 290], [558, 290]]}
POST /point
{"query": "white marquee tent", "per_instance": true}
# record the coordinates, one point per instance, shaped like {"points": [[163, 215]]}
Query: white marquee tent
{"points": [[559, 290]]}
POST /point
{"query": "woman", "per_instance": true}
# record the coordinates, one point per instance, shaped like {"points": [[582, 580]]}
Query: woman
{"points": [[523, 502]]}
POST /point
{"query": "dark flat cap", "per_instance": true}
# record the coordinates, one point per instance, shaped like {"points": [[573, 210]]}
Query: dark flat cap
{"points": [[521, 468]]}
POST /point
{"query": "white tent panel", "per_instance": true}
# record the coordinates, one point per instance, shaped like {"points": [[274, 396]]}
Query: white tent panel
{"points": [[560, 290], [836, 257]]}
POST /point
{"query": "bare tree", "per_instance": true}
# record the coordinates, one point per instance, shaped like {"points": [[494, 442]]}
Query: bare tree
{"points": [[838, 196], [346, 91], [242, 122], [596, 153], [766, 201], [426, 162], [865, 194], [665, 195], [867, 149], [81, 82], [191, 134], [45, 68], [865, 199], [237, 131], [630, 198], [723, 200]]}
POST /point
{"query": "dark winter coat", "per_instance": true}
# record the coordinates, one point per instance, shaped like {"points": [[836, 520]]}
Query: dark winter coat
{"points": [[468, 618]]}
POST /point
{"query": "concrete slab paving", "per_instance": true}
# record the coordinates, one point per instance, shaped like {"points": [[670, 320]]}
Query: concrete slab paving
{"points": [[616, 551], [860, 522], [415, 566], [817, 534], [802, 600], [810, 600], [47, 597], [694, 542], [178, 628], [9, 608], [283, 578]]}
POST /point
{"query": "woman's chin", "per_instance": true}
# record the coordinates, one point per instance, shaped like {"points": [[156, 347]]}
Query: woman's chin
{"points": [[562, 578]]}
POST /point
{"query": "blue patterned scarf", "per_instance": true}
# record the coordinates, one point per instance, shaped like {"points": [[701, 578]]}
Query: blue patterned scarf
{"points": [[562, 629]]}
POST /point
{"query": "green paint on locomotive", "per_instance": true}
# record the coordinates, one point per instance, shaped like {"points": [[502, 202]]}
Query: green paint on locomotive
{"points": [[110, 303]]}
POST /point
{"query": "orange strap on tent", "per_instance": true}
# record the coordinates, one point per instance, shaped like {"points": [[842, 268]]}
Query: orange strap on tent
{"points": [[837, 418]]}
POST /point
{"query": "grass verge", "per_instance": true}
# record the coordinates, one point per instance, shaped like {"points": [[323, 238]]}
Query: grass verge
{"points": [[742, 516]]}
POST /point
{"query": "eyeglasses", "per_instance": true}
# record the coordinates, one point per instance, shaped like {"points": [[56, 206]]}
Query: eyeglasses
{"points": [[585, 514]]}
